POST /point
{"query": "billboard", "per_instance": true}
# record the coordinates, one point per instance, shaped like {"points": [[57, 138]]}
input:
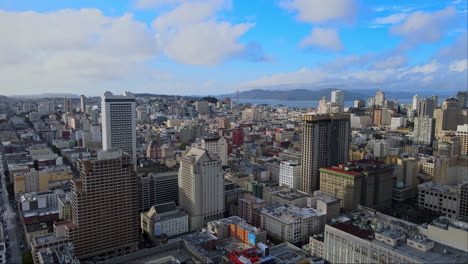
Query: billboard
{"points": [[251, 239], [157, 229]]}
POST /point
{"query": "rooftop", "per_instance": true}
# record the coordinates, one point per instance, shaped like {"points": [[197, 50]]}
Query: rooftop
{"points": [[340, 171]]}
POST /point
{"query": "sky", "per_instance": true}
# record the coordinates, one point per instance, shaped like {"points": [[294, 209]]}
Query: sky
{"points": [[212, 47]]}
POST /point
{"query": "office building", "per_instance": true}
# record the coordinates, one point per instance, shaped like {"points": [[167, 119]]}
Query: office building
{"points": [[379, 98], [449, 116], [464, 201], [462, 133], [67, 105], [158, 188], [83, 104], [435, 99], [202, 107], [416, 102], [238, 136], [367, 236], [440, 199], [218, 146], [246, 207], [462, 98], [154, 150], [104, 202], [291, 224], [290, 174], [201, 187], [337, 97], [359, 103], [364, 182], [236, 227], [407, 179], [164, 219], [118, 123], [424, 128], [426, 107], [325, 142]]}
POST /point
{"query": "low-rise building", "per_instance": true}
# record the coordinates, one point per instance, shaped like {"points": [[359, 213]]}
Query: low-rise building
{"points": [[441, 199], [292, 224], [164, 219]]}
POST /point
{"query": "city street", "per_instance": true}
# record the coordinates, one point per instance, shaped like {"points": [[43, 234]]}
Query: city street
{"points": [[13, 230]]}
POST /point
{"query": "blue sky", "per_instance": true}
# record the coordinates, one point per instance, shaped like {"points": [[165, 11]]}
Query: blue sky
{"points": [[212, 47]]}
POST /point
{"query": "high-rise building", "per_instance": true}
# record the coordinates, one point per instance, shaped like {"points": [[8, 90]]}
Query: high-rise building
{"points": [[423, 130], [435, 99], [218, 146], [201, 187], [415, 102], [158, 188], [426, 107], [462, 98], [118, 123], [104, 200], [440, 199], [67, 105], [337, 97], [238, 136], [464, 201], [462, 133], [290, 174], [83, 104], [449, 115], [154, 150], [359, 103], [379, 98], [323, 106], [325, 142]]}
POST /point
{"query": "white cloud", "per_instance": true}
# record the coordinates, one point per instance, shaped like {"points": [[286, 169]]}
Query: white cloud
{"points": [[81, 44], [144, 4], [420, 27], [191, 34], [323, 38], [390, 62], [207, 43], [431, 67], [341, 63], [459, 66], [318, 11], [391, 19], [458, 50]]}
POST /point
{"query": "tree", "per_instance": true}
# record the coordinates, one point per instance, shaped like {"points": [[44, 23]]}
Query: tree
{"points": [[27, 258], [210, 99]]}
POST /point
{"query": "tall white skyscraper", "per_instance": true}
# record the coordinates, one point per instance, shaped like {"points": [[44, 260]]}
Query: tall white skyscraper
{"points": [[416, 102], [201, 187], [380, 98], [118, 122], [290, 174], [337, 97]]}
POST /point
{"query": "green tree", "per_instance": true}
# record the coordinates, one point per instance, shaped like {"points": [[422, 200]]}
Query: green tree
{"points": [[27, 258]]}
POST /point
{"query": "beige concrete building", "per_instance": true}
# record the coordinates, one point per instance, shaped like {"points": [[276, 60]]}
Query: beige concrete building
{"points": [[218, 146], [38, 181], [201, 187], [344, 185], [325, 142], [247, 205], [441, 199], [449, 116], [462, 133]]}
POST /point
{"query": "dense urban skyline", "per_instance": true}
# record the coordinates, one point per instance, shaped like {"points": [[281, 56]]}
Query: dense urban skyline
{"points": [[218, 46]]}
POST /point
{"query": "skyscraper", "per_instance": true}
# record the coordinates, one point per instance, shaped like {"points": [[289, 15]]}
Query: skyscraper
{"points": [[423, 130], [201, 187], [67, 105], [462, 98], [379, 98], [337, 97], [83, 104], [325, 142], [449, 115], [426, 107], [118, 123], [416, 102], [218, 146], [104, 204]]}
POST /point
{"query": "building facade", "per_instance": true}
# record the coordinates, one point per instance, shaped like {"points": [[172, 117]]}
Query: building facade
{"points": [[201, 187], [325, 142], [290, 174], [119, 123]]}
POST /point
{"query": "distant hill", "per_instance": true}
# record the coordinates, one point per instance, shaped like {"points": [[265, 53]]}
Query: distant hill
{"points": [[293, 95], [48, 95]]}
